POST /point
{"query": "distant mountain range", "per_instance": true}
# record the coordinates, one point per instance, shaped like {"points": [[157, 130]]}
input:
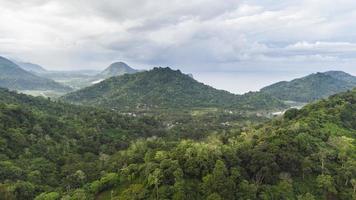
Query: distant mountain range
{"points": [[164, 88], [31, 67], [157, 87], [312, 87], [15, 78]]}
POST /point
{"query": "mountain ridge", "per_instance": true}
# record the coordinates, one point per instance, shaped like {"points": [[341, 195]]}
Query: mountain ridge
{"points": [[31, 67], [161, 88], [14, 77], [312, 87]]}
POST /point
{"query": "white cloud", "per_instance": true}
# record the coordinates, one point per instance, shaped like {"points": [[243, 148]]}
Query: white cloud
{"points": [[337, 47], [197, 34]]}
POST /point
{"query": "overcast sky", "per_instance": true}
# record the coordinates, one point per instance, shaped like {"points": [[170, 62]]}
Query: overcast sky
{"points": [[193, 35]]}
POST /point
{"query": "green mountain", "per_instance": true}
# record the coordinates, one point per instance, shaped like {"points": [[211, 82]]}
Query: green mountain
{"points": [[343, 76], [164, 88], [312, 87], [30, 67], [15, 78], [305, 154], [116, 69]]}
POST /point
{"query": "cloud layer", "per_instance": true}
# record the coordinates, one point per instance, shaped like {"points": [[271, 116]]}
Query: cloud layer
{"points": [[199, 35]]}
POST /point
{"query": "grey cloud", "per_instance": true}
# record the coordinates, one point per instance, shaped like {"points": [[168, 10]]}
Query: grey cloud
{"points": [[200, 34]]}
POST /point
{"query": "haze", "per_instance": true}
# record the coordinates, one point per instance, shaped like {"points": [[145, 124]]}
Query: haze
{"points": [[220, 42]]}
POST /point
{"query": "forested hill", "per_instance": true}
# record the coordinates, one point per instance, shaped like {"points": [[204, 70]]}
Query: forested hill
{"points": [[52, 150], [47, 146], [16, 78], [307, 154], [164, 88], [312, 87]]}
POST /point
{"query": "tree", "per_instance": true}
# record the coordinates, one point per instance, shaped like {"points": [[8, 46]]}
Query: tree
{"points": [[247, 190], [80, 194], [23, 190], [155, 179], [134, 192], [306, 166], [179, 188], [326, 184], [291, 113], [353, 183], [214, 196], [48, 196], [5, 193], [306, 196], [219, 182]]}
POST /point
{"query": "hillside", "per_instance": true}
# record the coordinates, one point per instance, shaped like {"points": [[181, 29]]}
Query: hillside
{"points": [[116, 69], [15, 78], [54, 150], [45, 145], [312, 87], [164, 88], [340, 75], [30, 67], [306, 154], [52, 146]]}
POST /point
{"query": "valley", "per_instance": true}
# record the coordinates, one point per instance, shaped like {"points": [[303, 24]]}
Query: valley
{"points": [[161, 134]]}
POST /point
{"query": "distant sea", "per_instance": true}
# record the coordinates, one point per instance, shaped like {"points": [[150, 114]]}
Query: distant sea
{"points": [[240, 82]]}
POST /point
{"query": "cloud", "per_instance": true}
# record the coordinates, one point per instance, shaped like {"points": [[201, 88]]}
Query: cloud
{"points": [[197, 35], [324, 47]]}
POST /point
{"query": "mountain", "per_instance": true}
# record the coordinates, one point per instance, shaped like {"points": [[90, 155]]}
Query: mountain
{"points": [[30, 67], [312, 87], [164, 88], [16, 78], [117, 69], [340, 75]]}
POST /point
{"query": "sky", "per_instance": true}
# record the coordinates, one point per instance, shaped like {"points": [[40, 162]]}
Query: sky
{"points": [[220, 42]]}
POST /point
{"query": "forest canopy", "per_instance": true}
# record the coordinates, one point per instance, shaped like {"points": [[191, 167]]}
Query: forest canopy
{"points": [[54, 150]]}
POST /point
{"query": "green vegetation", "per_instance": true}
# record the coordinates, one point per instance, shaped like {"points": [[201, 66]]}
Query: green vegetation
{"points": [[312, 87], [46, 146], [15, 78], [306, 154], [165, 88], [52, 148], [203, 144]]}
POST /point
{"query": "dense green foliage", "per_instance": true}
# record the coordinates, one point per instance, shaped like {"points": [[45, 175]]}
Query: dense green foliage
{"points": [[164, 88], [306, 154], [54, 146], [312, 87], [15, 78], [54, 150]]}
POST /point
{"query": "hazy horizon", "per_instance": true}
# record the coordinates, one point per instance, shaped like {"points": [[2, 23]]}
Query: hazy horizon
{"points": [[237, 82], [220, 42]]}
